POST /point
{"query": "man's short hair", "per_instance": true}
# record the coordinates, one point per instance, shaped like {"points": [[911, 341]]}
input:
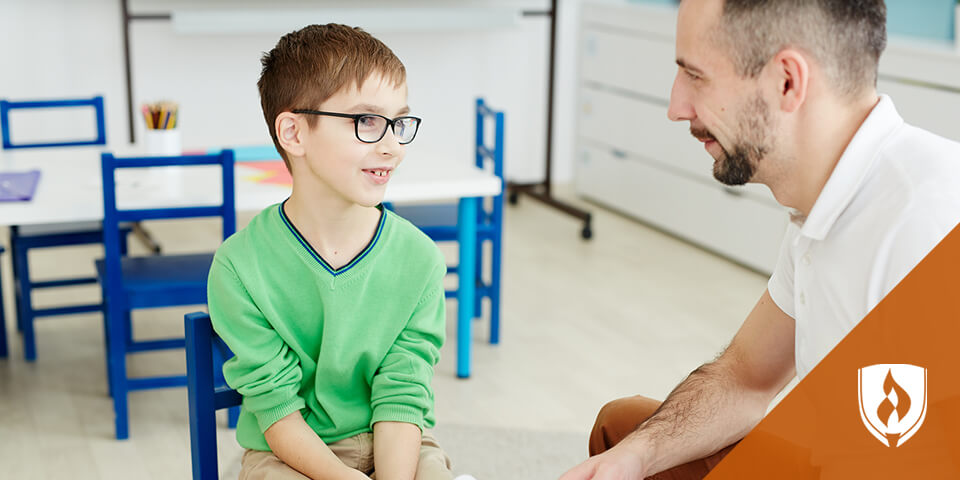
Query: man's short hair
{"points": [[846, 37], [310, 65]]}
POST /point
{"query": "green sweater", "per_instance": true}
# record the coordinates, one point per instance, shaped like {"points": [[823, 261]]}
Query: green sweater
{"points": [[347, 347]]}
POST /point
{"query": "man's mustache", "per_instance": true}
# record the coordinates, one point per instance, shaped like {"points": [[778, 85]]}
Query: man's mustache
{"points": [[702, 134]]}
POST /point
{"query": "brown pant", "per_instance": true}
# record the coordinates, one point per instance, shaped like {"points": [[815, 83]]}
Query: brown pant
{"points": [[355, 452], [619, 418]]}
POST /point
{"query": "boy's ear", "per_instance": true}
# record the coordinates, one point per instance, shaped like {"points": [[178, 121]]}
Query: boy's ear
{"points": [[289, 129]]}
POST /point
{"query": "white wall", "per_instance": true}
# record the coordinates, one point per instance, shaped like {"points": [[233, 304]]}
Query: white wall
{"points": [[61, 48]]}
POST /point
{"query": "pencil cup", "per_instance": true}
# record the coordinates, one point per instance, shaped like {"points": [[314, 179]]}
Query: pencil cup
{"points": [[163, 142]]}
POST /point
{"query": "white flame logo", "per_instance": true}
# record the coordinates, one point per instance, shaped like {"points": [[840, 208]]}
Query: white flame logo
{"points": [[893, 401]]}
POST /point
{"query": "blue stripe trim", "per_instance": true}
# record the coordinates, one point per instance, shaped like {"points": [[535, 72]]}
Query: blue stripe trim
{"points": [[323, 263], [376, 236]]}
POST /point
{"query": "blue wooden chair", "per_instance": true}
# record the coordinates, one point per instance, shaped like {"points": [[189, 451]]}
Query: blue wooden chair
{"points": [[23, 239], [207, 392], [130, 283], [439, 222]]}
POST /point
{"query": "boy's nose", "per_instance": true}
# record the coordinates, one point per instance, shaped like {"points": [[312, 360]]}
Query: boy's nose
{"points": [[389, 146]]}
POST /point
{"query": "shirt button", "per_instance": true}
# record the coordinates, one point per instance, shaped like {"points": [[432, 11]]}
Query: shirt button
{"points": [[806, 259], [803, 299]]}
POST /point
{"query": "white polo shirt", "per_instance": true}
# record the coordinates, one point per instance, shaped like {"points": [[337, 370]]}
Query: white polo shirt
{"points": [[893, 196]]}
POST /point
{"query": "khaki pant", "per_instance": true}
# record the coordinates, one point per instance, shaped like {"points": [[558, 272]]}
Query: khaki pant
{"points": [[619, 418], [355, 452]]}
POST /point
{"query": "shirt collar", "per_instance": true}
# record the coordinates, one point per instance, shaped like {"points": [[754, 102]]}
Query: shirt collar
{"points": [[852, 168]]}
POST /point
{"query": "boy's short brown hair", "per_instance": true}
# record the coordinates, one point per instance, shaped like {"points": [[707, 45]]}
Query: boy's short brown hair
{"points": [[310, 65]]}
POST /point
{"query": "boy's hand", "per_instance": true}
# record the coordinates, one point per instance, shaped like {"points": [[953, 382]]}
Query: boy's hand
{"points": [[618, 463], [297, 445]]}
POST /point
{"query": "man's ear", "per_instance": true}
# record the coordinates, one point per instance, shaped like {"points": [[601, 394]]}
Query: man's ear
{"points": [[792, 73], [289, 129]]}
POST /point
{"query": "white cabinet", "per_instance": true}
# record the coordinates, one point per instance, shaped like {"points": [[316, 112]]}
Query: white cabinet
{"points": [[631, 158], [733, 224]]}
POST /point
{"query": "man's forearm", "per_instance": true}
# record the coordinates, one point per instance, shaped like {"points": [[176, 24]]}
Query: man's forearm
{"points": [[294, 442], [706, 412], [396, 450]]}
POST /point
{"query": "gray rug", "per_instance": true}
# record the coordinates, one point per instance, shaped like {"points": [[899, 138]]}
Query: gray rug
{"points": [[487, 453], [510, 454]]}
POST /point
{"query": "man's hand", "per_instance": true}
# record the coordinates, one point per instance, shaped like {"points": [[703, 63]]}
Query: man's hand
{"points": [[621, 462]]}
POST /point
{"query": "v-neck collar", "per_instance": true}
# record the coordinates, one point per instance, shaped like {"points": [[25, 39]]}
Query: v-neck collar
{"points": [[316, 256]]}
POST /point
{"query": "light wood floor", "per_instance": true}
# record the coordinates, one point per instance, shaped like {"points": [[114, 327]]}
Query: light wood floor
{"points": [[630, 312]]}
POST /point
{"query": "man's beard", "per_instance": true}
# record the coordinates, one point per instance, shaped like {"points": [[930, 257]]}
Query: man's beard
{"points": [[739, 165]]}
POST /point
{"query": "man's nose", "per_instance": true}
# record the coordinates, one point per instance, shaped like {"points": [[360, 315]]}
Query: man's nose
{"points": [[680, 108]]}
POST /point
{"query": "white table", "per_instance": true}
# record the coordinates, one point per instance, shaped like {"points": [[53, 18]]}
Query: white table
{"points": [[70, 191]]}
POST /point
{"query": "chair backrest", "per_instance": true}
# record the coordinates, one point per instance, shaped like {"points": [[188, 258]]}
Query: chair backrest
{"points": [[206, 391], [494, 154], [96, 102], [112, 216]]}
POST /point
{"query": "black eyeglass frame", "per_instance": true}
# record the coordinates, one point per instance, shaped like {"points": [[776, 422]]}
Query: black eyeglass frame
{"points": [[391, 122]]}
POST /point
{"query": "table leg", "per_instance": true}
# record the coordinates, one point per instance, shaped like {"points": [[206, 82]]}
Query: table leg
{"points": [[466, 281]]}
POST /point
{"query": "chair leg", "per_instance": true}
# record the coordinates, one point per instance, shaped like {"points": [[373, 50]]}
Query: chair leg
{"points": [[128, 323], [106, 341], [25, 301], [478, 300], [124, 244], [233, 415], [117, 366], [16, 291], [3, 325], [496, 257]]}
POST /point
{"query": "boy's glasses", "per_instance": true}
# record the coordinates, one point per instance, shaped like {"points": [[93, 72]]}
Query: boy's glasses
{"points": [[370, 127]]}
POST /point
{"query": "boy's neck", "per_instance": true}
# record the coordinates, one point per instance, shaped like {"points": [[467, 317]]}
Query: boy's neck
{"points": [[337, 231]]}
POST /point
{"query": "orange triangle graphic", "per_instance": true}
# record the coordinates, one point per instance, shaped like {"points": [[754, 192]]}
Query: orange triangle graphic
{"points": [[816, 431]]}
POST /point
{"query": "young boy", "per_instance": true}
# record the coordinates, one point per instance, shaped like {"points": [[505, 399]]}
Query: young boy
{"points": [[333, 305]]}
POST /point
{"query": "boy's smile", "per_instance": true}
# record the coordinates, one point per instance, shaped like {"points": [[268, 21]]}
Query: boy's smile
{"points": [[379, 176]]}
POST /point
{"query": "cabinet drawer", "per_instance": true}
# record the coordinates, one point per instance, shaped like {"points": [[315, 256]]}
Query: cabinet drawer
{"points": [[737, 226], [928, 108], [647, 17], [642, 128], [645, 65]]}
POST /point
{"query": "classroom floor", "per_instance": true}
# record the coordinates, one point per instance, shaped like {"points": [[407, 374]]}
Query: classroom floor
{"points": [[630, 312]]}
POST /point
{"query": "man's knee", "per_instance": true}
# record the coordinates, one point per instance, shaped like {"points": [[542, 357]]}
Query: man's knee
{"points": [[630, 409], [619, 418]]}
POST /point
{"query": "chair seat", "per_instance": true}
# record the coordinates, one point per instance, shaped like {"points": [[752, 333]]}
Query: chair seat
{"points": [[433, 215], [66, 228], [439, 222], [59, 228], [177, 276]]}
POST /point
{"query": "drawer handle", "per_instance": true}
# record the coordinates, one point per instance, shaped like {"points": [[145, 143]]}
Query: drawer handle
{"points": [[736, 192], [618, 153]]}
